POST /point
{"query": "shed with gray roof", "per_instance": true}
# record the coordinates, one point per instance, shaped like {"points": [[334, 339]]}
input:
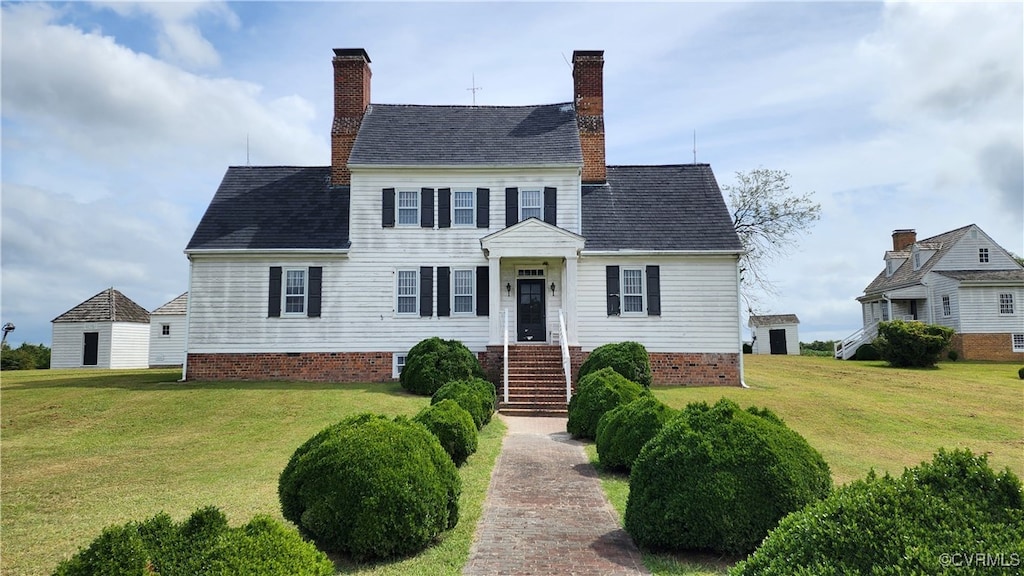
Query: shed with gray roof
{"points": [[108, 330]]}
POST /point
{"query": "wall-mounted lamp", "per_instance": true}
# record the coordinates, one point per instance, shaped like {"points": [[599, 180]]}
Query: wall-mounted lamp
{"points": [[552, 288], [508, 288]]}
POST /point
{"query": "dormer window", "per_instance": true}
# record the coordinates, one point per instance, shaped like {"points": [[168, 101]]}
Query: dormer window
{"points": [[983, 255], [917, 260]]}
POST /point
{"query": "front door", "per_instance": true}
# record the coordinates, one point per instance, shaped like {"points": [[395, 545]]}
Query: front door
{"points": [[530, 323], [91, 354], [777, 340]]}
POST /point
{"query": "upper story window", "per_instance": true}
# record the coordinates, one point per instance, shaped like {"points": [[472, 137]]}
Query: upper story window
{"points": [[946, 308], [407, 290], [409, 207], [165, 329], [632, 290], [295, 291], [1006, 303], [917, 260], [463, 281], [983, 255], [531, 204], [464, 208]]}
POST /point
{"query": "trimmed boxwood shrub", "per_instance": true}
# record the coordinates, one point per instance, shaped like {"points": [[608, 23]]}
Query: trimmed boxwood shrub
{"points": [[912, 524], [624, 430], [1020, 373], [433, 362], [912, 344], [630, 359], [476, 395], [597, 393], [202, 545], [453, 426], [867, 352], [370, 487], [719, 478]]}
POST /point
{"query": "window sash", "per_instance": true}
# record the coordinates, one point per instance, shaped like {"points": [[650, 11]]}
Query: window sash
{"points": [[531, 204], [409, 207], [165, 329], [408, 292], [295, 292], [632, 290], [983, 255], [1018, 342], [1006, 303], [463, 291], [946, 308], [464, 208]]}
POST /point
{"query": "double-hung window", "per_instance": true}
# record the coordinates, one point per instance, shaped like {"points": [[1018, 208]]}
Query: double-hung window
{"points": [[531, 204], [632, 290], [463, 281], [983, 255], [295, 291], [947, 310], [1006, 303], [464, 208], [408, 291], [165, 329], [409, 207], [1018, 342]]}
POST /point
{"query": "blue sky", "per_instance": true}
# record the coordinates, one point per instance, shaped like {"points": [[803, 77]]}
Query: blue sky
{"points": [[119, 119]]}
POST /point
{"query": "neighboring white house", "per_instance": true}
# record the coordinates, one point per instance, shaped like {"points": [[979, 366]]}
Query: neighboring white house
{"points": [[108, 330], [167, 333], [961, 279], [476, 223], [775, 334]]}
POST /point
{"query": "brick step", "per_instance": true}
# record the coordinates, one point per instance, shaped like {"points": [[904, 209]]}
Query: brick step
{"points": [[534, 409], [535, 369], [550, 393]]}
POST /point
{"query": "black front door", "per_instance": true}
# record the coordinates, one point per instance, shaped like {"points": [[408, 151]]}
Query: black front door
{"points": [[777, 341], [91, 355], [530, 321]]}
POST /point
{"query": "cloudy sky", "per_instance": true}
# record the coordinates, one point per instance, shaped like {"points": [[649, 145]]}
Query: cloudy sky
{"points": [[119, 119]]}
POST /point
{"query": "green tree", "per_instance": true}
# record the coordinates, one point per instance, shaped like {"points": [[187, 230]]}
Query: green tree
{"points": [[24, 357], [768, 217]]}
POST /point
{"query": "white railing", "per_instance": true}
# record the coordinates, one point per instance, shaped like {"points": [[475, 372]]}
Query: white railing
{"points": [[504, 370], [847, 347], [563, 340]]}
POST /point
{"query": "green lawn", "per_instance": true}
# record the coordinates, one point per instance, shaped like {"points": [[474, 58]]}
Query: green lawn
{"points": [[82, 450]]}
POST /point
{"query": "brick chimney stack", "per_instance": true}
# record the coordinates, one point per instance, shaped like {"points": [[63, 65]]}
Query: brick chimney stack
{"points": [[903, 239], [588, 91], [351, 97]]}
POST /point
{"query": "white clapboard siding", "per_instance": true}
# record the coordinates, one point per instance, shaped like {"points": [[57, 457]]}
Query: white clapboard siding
{"points": [[964, 254], [129, 345], [166, 350], [699, 307], [979, 310], [940, 286], [68, 344]]}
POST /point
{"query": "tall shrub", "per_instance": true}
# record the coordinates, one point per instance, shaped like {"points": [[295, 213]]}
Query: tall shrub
{"points": [[912, 344], [597, 393], [453, 426], [624, 430], [434, 361], [630, 359], [476, 395]]}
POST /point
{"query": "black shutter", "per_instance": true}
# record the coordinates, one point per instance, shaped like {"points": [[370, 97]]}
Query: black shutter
{"points": [[387, 210], [483, 207], [426, 291], [653, 291], [444, 207], [483, 290], [426, 207], [274, 296], [444, 282], [611, 274], [313, 297], [511, 206], [551, 206]]}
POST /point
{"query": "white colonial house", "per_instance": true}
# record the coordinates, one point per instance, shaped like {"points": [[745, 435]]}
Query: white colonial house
{"points": [[961, 279], [775, 334], [486, 224], [167, 333], [108, 330]]}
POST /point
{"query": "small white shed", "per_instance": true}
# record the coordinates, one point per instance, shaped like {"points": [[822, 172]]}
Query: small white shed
{"points": [[108, 330], [775, 334], [167, 333]]}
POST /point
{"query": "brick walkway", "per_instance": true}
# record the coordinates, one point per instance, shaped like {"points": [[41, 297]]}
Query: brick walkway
{"points": [[545, 512]]}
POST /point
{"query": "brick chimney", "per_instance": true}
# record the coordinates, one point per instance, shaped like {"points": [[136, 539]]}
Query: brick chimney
{"points": [[351, 97], [588, 90], [903, 239]]}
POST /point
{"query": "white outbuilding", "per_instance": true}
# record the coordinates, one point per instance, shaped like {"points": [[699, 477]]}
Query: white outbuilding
{"points": [[775, 334], [108, 330], [167, 333]]}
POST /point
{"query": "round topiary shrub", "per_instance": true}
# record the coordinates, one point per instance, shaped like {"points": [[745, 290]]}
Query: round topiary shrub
{"points": [[719, 478], [453, 426], [597, 393], [624, 430], [370, 487], [931, 520], [204, 544], [867, 352], [475, 395], [630, 359], [1020, 373], [433, 362]]}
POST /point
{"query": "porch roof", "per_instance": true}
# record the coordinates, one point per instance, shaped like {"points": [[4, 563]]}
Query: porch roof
{"points": [[532, 237]]}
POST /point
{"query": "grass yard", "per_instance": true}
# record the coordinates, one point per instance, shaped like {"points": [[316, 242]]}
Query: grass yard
{"points": [[864, 415], [82, 450]]}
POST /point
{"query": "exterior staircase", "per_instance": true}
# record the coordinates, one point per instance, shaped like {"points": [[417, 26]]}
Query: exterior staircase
{"points": [[536, 383]]}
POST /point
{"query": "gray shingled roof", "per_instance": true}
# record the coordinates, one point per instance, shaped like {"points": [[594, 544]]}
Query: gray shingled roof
{"points": [[1007, 276], [905, 275], [408, 135], [275, 207], [108, 306], [176, 307], [773, 320], [678, 207]]}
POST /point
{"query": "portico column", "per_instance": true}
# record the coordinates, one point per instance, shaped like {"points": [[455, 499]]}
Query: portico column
{"points": [[494, 297], [569, 299]]}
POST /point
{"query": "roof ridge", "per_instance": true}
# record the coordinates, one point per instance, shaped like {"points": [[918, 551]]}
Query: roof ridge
{"points": [[550, 104]]}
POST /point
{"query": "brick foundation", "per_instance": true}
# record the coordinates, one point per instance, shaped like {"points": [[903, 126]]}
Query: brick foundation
{"points": [[304, 366], [995, 347], [667, 368]]}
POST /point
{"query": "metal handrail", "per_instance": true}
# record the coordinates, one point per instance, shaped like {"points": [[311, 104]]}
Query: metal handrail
{"points": [[505, 357], [563, 339]]}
